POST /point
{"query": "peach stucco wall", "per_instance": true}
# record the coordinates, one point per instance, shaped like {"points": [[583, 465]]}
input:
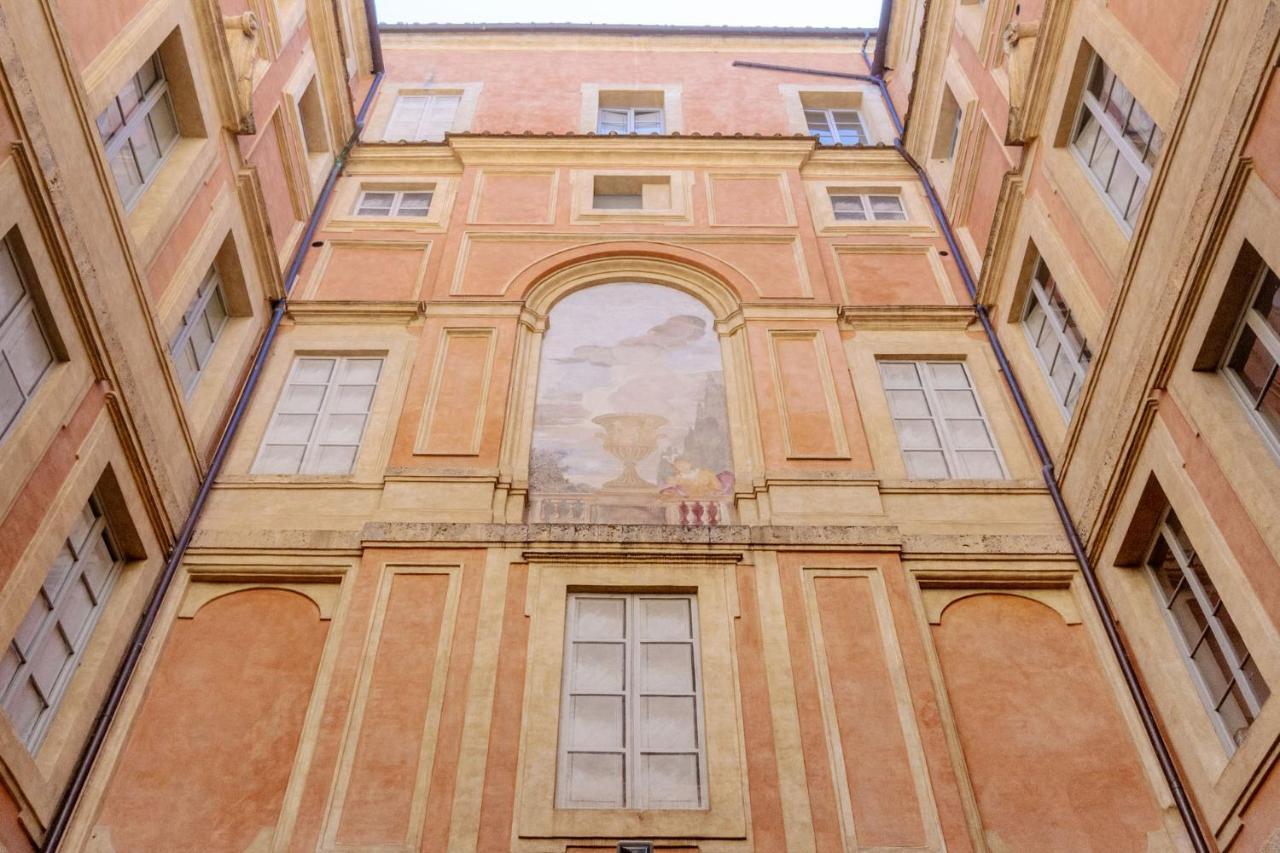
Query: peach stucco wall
{"points": [[1051, 762], [90, 25], [213, 745], [1170, 38]]}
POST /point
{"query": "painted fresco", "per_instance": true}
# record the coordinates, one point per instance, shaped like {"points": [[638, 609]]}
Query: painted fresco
{"points": [[630, 425]]}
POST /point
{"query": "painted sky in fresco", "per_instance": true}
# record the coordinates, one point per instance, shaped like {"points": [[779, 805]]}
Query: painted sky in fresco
{"points": [[629, 348]]}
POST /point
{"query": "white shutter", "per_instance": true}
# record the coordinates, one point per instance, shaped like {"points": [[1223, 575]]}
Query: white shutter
{"points": [[612, 121], [320, 418], [631, 731], [647, 121], [406, 115], [942, 430], [438, 117]]}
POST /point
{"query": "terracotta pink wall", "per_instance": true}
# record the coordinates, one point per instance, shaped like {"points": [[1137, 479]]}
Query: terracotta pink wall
{"points": [[1168, 32], [714, 92], [1052, 763], [90, 25], [210, 752], [13, 838], [1264, 139]]}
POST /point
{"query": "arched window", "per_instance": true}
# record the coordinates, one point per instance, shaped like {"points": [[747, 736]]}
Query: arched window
{"points": [[630, 423]]}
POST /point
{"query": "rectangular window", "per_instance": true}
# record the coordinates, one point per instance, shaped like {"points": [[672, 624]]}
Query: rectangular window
{"points": [[863, 207], [320, 417], [624, 192], [138, 128], [942, 429], [1253, 363], [43, 655], [315, 135], [1060, 346], [394, 202], [640, 120], [947, 136], [1230, 684], [1117, 141], [631, 734], [202, 323], [420, 118], [836, 126], [25, 354]]}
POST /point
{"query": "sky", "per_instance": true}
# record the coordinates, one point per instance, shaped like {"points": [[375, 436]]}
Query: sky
{"points": [[813, 13]]}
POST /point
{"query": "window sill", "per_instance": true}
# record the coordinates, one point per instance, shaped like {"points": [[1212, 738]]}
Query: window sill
{"points": [[160, 207]]}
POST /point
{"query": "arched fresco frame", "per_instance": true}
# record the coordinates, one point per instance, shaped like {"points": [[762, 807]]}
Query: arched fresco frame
{"points": [[716, 294]]}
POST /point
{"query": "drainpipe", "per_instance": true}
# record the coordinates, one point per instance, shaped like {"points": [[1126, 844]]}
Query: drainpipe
{"points": [[1182, 800], [102, 723]]}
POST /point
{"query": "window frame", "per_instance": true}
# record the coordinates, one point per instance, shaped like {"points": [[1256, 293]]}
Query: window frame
{"points": [[868, 210], [116, 141], [323, 412], [1208, 612], [1268, 338], [1038, 295], [947, 445], [11, 327], [632, 694], [397, 202], [198, 310], [630, 113], [1090, 106], [50, 622], [832, 129]]}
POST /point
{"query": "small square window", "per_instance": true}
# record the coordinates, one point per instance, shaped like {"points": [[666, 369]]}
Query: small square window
{"points": [[861, 207], [1059, 344], [1253, 362], [202, 324], [947, 136], [138, 128], [401, 202], [315, 134], [637, 112]]}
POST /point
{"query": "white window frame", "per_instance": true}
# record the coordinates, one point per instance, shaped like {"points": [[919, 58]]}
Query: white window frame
{"points": [[948, 443], [1038, 295], [397, 201], [1268, 338], [1091, 106], [829, 118], [631, 694], [869, 213], [629, 114], [12, 326], [42, 630], [420, 135], [157, 97], [209, 293], [1209, 611], [325, 410]]}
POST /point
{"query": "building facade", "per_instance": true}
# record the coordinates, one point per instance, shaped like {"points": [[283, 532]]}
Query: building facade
{"points": [[533, 438]]}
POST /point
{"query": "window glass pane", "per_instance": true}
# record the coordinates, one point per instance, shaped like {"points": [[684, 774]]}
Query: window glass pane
{"points": [[665, 619], [76, 610], [897, 374], [129, 98], [28, 353], [666, 667], [11, 286], [353, 398], [918, 435], [598, 667], [302, 398], [376, 203], [647, 121], [969, 434], [125, 171], [600, 617], [48, 657], [414, 204], [596, 778], [926, 465], [164, 123], [887, 207], [906, 403], [597, 723], [668, 722], [948, 374], [848, 207], [980, 465], [63, 563], [292, 429], [361, 371], [145, 150], [670, 780], [279, 459], [313, 370], [612, 121], [24, 706], [334, 459], [109, 121], [11, 396], [958, 404], [342, 429]]}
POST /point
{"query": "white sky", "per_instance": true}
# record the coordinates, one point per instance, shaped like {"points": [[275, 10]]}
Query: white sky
{"points": [[812, 13]]}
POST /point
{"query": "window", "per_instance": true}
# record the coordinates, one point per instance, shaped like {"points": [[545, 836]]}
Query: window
{"points": [[624, 192], [1230, 684], [423, 117], [42, 656], [202, 322], [25, 355], [320, 417], [641, 120], [1059, 344], [138, 128], [942, 430], [836, 126], [862, 207], [1254, 360], [947, 136], [394, 202], [1117, 141], [631, 708], [315, 136]]}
